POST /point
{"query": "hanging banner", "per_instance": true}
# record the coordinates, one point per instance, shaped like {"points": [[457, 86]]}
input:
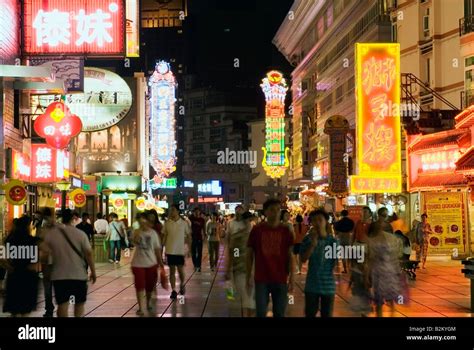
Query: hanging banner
{"points": [[15, 192], [447, 217], [58, 125], [378, 133], [78, 196], [337, 128]]}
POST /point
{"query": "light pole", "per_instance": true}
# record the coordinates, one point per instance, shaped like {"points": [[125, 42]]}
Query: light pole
{"points": [[107, 192], [64, 186]]}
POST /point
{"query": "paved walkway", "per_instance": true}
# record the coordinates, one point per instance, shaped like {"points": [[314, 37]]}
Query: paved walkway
{"points": [[439, 291]]}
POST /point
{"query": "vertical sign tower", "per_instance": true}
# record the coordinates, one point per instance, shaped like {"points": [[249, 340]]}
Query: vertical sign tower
{"points": [[275, 155]]}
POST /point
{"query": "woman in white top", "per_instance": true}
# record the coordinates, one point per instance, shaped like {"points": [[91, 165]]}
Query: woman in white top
{"points": [[145, 261]]}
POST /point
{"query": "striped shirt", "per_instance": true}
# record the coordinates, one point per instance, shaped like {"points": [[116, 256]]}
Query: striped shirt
{"points": [[320, 277]]}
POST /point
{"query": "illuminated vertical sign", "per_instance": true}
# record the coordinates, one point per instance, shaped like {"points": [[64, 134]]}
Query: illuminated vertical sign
{"points": [[162, 121], [74, 27], [132, 28], [378, 119], [48, 164], [21, 166], [275, 155]]}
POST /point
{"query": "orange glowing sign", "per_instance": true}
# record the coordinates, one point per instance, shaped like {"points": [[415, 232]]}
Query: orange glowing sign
{"points": [[378, 119]]}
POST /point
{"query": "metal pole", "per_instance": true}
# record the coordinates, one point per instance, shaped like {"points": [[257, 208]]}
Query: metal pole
{"points": [[63, 200], [107, 206], [469, 226]]}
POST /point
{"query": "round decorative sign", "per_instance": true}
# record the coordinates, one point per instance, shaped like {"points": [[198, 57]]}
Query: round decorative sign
{"points": [[15, 192], [106, 99], [78, 196], [140, 203], [118, 203]]}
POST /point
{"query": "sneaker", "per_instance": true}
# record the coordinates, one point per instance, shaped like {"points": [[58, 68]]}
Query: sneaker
{"points": [[198, 269], [173, 295], [111, 261], [182, 290], [140, 313], [116, 261]]}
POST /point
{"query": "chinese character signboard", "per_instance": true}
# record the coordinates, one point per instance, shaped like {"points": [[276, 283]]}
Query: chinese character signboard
{"points": [[378, 119], [212, 188], [82, 27], [58, 125], [275, 154], [48, 164], [337, 128]]}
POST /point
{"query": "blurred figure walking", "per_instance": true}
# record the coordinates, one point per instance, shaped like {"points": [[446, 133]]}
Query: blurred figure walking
{"points": [[300, 230]]}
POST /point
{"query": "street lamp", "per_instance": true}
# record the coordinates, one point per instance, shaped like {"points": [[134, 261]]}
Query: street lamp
{"points": [[63, 185], [107, 192]]}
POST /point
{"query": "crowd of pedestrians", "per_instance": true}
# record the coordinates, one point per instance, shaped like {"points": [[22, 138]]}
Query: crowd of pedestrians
{"points": [[259, 255]]}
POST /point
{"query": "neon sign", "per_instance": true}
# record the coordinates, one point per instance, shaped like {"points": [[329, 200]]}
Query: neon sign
{"points": [[21, 166], [378, 132], [74, 27], [275, 155], [213, 188], [48, 164], [162, 121], [440, 160], [58, 125]]}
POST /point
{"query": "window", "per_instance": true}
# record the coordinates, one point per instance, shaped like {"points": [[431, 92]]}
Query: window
{"points": [[321, 27], [215, 119], [198, 134], [468, 8], [16, 109], [198, 149], [394, 31], [198, 120], [329, 16], [426, 23], [428, 71], [215, 145], [215, 132]]}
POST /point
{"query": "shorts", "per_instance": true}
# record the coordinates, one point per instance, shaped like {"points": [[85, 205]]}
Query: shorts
{"points": [[174, 260], [145, 278], [344, 238], [65, 289], [296, 248], [248, 299]]}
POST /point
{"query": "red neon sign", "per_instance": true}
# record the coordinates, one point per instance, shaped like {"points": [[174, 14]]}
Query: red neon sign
{"points": [[48, 164], [378, 119], [74, 27], [58, 125]]}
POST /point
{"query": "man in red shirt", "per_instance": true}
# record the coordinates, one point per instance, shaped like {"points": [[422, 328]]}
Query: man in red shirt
{"points": [[270, 245], [198, 226]]}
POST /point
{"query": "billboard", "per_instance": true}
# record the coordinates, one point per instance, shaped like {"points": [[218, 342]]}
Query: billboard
{"points": [[378, 134], [48, 164], [70, 70], [81, 27]]}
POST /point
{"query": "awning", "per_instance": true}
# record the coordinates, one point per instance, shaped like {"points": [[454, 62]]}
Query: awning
{"points": [[35, 78], [441, 139], [437, 181]]}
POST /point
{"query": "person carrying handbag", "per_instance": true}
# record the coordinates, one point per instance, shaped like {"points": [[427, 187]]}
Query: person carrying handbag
{"points": [[117, 237]]}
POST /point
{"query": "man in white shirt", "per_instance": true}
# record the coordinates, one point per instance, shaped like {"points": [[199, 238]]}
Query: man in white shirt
{"points": [[176, 233], [72, 254], [101, 226]]}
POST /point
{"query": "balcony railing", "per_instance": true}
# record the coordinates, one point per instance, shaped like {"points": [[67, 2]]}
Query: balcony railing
{"points": [[466, 25]]}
